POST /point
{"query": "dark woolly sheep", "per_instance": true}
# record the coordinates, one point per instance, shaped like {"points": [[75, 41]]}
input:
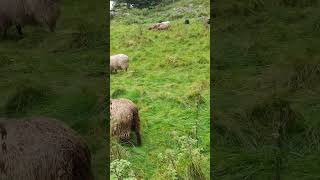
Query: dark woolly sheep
{"points": [[124, 118], [186, 21], [42, 149], [119, 62], [28, 12]]}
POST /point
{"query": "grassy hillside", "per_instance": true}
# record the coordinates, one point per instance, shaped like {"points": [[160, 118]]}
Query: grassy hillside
{"points": [[168, 75], [60, 74], [266, 90]]}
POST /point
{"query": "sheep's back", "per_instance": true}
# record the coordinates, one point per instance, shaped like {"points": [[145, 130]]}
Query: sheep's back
{"points": [[12, 9], [120, 58], [119, 61], [42, 149], [41, 8], [121, 117], [30, 11]]}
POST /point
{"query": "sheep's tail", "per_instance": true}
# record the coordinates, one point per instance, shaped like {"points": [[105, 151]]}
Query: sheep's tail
{"points": [[137, 125]]}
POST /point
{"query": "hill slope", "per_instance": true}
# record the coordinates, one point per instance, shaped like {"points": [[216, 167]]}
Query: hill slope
{"points": [[60, 74], [168, 71], [266, 81]]}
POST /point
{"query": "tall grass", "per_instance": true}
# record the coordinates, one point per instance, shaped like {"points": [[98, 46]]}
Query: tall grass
{"points": [[266, 72]]}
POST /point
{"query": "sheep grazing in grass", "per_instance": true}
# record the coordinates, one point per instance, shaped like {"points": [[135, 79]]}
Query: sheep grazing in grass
{"points": [[124, 118], [160, 26], [119, 62], [42, 148], [28, 12]]}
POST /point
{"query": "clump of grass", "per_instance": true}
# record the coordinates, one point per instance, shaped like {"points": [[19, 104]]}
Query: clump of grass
{"points": [[311, 139], [274, 118], [260, 125], [298, 3], [195, 172], [5, 60], [253, 6], [266, 132], [118, 93], [243, 8], [182, 161], [303, 74], [173, 62], [25, 98], [121, 169], [80, 38], [117, 151]]}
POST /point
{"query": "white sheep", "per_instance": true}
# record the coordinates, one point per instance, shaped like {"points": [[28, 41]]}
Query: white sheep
{"points": [[160, 26], [119, 62]]}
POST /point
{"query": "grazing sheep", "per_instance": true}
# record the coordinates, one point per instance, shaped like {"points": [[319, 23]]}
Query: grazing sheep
{"points": [[124, 118], [154, 26], [119, 62], [160, 26], [28, 12], [42, 148]]}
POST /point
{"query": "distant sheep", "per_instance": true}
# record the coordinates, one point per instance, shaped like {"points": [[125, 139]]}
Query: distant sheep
{"points": [[28, 12], [119, 62], [124, 118], [42, 148], [160, 26]]}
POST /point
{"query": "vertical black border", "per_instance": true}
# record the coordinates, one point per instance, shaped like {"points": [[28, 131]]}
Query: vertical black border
{"points": [[108, 91]]}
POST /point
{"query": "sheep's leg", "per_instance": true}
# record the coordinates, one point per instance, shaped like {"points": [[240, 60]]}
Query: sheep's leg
{"points": [[138, 137], [19, 29], [136, 127], [52, 26]]}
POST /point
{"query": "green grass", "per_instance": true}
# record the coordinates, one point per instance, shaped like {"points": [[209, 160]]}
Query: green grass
{"points": [[60, 74], [266, 81], [165, 69]]}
